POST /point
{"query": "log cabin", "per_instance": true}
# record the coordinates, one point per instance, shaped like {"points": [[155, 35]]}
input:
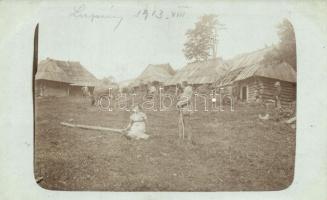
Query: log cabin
{"points": [[249, 83], [155, 74], [200, 74], [62, 78]]}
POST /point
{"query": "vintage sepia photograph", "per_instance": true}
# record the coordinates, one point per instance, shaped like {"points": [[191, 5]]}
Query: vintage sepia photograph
{"points": [[163, 97]]}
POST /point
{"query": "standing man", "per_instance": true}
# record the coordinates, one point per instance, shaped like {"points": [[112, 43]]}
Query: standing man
{"points": [[277, 94], [186, 96], [178, 89], [151, 91], [85, 91], [184, 107], [278, 90]]}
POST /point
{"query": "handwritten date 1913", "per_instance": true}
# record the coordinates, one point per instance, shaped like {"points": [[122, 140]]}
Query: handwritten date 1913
{"points": [[159, 14]]}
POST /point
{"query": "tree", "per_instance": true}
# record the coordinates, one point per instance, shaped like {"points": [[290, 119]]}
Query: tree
{"points": [[108, 80], [201, 41], [286, 49], [287, 45]]}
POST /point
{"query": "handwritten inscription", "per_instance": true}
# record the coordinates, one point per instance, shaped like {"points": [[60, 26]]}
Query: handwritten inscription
{"points": [[82, 13], [159, 14]]}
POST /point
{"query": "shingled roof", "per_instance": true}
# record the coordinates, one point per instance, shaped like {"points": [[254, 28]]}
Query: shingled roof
{"points": [[200, 72], [247, 59], [229, 77], [64, 71], [252, 64], [281, 71]]}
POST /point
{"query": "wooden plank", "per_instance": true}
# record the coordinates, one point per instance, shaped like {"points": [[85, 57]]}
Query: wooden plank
{"points": [[99, 128]]}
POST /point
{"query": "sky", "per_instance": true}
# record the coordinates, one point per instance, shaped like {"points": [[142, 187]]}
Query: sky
{"points": [[115, 39]]}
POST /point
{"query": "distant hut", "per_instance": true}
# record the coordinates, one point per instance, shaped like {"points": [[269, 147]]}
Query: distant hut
{"points": [[250, 77], [62, 78], [154, 74], [124, 86], [104, 87], [203, 73]]}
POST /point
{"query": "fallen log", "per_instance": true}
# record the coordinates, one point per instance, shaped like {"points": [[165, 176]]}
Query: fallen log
{"points": [[99, 128]]}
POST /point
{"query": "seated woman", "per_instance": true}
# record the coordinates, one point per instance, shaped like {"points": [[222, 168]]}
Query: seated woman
{"points": [[136, 126]]}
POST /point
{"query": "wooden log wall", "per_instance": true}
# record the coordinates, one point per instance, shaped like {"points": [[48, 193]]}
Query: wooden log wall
{"points": [[53, 88], [251, 85], [267, 89]]}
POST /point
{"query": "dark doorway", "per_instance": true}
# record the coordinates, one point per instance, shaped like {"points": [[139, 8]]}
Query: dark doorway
{"points": [[244, 93]]}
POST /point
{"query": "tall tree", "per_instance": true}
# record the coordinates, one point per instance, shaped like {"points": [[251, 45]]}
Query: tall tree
{"points": [[287, 45], [286, 48], [201, 40]]}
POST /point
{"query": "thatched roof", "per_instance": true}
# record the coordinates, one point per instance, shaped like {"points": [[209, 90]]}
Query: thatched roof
{"points": [[229, 77], [200, 72], [247, 59], [152, 73], [280, 71], [252, 64], [64, 71]]}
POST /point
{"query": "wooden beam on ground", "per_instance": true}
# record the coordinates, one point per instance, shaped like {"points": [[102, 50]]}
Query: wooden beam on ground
{"points": [[99, 128]]}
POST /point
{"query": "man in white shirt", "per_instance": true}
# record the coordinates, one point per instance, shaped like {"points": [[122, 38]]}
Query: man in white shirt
{"points": [[186, 96], [184, 107]]}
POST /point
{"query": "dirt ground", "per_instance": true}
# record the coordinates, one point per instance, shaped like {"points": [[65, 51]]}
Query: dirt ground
{"points": [[232, 151]]}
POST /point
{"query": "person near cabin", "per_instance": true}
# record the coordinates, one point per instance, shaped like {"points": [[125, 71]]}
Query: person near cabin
{"points": [[235, 93], [178, 89], [277, 94], [85, 91], [151, 91], [277, 103], [136, 128]]}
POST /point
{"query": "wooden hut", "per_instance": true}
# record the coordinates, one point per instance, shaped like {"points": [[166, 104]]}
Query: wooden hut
{"points": [[250, 78], [258, 80], [124, 86], [154, 74], [199, 73], [62, 78]]}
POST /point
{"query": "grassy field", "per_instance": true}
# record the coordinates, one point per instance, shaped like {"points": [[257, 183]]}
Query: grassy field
{"points": [[232, 151]]}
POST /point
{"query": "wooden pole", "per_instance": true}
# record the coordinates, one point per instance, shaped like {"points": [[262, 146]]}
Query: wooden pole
{"points": [[181, 126], [99, 128]]}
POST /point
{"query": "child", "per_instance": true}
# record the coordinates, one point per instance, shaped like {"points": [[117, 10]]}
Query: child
{"points": [[136, 126]]}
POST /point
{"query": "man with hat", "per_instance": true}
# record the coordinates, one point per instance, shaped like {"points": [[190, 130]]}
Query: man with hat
{"points": [[277, 94]]}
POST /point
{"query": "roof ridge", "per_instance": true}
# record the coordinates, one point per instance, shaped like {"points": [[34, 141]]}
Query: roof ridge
{"points": [[249, 53], [55, 59]]}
